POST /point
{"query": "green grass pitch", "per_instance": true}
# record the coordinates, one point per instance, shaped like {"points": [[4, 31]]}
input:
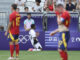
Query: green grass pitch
{"points": [[43, 55]]}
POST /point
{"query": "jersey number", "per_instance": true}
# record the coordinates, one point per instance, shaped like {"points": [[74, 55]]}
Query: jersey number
{"points": [[17, 21], [67, 22]]}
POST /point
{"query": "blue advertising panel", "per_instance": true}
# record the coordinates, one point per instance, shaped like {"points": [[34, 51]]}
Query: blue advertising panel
{"points": [[47, 42]]}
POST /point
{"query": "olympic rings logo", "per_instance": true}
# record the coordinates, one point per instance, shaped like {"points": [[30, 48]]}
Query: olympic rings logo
{"points": [[24, 39]]}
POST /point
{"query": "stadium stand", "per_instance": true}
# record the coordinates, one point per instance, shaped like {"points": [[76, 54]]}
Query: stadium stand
{"points": [[5, 5], [4, 10], [30, 4]]}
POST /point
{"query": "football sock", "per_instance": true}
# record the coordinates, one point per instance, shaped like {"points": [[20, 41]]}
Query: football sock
{"points": [[11, 50], [64, 55], [17, 49]]}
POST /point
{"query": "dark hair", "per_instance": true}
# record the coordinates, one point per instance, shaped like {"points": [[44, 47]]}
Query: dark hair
{"points": [[33, 25], [38, 1], [26, 8], [28, 13], [58, 5], [14, 6]]}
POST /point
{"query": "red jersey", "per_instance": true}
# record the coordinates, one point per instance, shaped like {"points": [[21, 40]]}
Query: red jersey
{"points": [[50, 7], [66, 18], [15, 19]]}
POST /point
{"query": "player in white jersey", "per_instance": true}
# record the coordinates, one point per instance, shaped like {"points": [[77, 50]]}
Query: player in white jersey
{"points": [[33, 37]]}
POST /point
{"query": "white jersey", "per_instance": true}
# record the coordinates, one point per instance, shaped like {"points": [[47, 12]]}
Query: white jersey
{"points": [[32, 34]]}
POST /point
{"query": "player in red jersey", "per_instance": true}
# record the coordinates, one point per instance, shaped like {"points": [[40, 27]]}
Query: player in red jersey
{"points": [[13, 30], [63, 20]]}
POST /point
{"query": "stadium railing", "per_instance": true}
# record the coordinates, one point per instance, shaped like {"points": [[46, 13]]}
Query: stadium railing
{"points": [[3, 20]]}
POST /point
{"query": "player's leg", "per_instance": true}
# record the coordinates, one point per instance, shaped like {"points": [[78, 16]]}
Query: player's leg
{"points": [[16, 46], [11, 48], [38, 46], [63, 54], [64, 38], [32, 42], [17, 49], [11, 44]]}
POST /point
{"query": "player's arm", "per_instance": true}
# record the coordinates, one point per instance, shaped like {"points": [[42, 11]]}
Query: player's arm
{"points": [[9, 26], [11, 18], [26, 28], [54, 32]]}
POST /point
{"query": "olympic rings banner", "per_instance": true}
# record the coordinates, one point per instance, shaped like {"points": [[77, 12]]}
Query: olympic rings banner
{"points": [[47, 42]]}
